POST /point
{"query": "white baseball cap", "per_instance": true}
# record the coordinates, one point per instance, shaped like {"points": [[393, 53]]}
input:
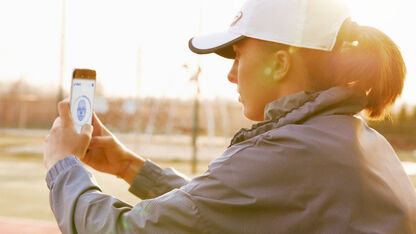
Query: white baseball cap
{"points": [[310, 24]]}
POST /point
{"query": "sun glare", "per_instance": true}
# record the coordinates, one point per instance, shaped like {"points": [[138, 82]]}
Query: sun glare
{"points": [[129, 44]]}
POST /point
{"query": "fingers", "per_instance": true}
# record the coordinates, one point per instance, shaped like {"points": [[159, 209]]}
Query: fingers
{"points": [[97, 125], [87, 129], [65, 112], [101, 141], [85, 136], [95, 119], [99, 128], [56, 122]]}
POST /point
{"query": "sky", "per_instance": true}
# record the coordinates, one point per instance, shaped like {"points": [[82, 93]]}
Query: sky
{"points": [[138, 48]]}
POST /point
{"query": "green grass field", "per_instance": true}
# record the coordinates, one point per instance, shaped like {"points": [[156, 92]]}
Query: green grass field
{"points": [[23, 191]]}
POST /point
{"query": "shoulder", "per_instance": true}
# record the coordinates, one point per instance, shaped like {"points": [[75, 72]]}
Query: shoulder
{"points": [[318, 137], [295, 152]]}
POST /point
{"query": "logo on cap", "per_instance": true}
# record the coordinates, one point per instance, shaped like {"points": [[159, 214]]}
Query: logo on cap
{"points": [[237, 18]]}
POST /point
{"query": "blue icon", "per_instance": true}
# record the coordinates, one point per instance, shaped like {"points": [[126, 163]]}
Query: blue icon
{"points": [[81, 113], [81, 109]]}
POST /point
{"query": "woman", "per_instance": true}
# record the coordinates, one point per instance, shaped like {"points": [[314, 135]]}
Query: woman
{"points": [[311, 165]]}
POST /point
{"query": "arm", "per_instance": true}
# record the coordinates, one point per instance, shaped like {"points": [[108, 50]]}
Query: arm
{"points": [[152, 181], [107, 154], [225, 199], [80, 207], [147, 180]]}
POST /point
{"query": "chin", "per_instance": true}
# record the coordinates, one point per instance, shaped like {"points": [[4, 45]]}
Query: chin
{"points": [[253, 116]]}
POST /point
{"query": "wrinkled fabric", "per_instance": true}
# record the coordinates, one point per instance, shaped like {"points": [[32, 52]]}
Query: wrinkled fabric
{"points": [[313, 166]]}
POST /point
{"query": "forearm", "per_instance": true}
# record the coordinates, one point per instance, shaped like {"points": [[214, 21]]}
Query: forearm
{"points": [[152, 181], [131, 168], [146, 179], [80, 207], [77, 202], [67, 180]]}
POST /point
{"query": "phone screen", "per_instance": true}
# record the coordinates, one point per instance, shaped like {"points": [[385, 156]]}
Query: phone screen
{"points": [[82, 101]]}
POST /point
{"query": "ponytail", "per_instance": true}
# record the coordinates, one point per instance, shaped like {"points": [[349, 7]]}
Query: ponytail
{"points": [[363, 57]]}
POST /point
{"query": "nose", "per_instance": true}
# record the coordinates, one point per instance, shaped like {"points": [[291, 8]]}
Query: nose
{"points": [[233, 73]]}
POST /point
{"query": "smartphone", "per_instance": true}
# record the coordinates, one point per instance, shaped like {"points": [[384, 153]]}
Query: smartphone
{"points": [[82, 97]]}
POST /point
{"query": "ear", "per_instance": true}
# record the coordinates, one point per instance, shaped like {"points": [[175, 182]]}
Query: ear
{"points": [[281, 65]]}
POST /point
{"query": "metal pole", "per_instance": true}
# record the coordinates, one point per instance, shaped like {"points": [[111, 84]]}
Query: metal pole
{"points": [[61, 65], [195, 128]]}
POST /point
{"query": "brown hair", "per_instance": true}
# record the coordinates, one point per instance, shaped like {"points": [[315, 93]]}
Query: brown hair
{"points": [[363, 57]]}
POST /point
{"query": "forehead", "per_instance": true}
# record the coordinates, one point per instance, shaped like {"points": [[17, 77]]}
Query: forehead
{"points": [[250, 45], [247, 42]]}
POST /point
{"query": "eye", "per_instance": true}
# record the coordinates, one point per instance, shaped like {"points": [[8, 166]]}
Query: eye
{"points": [[237, 53]]}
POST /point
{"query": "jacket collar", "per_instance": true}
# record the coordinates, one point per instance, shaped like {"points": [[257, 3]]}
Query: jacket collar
{"points": [[301, 106]]}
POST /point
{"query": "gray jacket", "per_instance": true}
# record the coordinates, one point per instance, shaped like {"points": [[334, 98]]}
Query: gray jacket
{"points": [[311, 167]]}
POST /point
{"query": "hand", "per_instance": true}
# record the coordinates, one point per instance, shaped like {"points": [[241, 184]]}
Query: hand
{"points": [[107, 154], [63, 139]]}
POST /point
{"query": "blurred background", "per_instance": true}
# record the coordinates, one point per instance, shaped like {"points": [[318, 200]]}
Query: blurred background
{"points": [[161, 100]]}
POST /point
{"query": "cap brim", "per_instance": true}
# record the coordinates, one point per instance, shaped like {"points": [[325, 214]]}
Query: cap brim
{"points": [[219, 43]]}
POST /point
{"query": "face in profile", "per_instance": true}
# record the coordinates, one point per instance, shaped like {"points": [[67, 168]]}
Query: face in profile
{"points": [[252, 73], [81, 109]]}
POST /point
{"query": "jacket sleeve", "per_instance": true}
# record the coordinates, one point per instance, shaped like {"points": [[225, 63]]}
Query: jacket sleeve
{"points": [[80, 207], [152, 181]]}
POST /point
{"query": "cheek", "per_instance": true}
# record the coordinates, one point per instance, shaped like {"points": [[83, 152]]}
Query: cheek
{"points": [[259, 73], [264, 76], [253, 82], [254, 86], [246, 74]]}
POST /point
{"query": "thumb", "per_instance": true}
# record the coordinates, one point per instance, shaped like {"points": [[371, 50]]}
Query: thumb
{"points": [[84, 140], [101, 141], [86, 130], [65, 112]]}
